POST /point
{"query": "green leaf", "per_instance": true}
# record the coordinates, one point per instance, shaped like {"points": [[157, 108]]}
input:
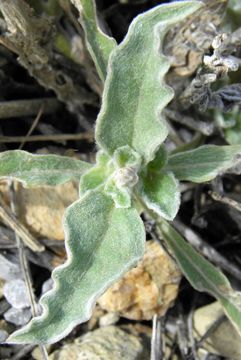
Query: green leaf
{"points": [[232, 18], [233, 134], [235, 5], [125, 156], [36, 170], [160, 192], [160, 160], [135, 92], [50, 7], [102, 243], [119, 186], [99, 44], [204, 163], [120, 194], [202, 275], [116, 176], [98, 174]]}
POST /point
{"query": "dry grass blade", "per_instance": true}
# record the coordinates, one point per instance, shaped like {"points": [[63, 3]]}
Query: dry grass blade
{"points": [[25, 267], [156, 341], [33, 126], [19, 229]]}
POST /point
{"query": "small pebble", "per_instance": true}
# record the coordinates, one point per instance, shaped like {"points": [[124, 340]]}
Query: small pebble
{"points": [[10, 268], [47, 285], [109, 319], [18, 316], [1, 288], [15, 292], [3, 335], [39, 309]]}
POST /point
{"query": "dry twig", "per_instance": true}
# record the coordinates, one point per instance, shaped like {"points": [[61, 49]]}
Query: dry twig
{"points": [[9, 218], [225, 200], [33, 126], [20, 108], [55, 137], [33, 39], [208, 251]]}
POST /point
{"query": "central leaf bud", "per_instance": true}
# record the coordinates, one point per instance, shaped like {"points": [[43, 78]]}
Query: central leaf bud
{"points": [[126, 176]]}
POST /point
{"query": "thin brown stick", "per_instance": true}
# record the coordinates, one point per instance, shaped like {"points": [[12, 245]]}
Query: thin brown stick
{"points": [[182, 336], [190, 328], [174, 136], [197, 125], [207, 250], [225, 200], [23, 352], [58, 137], [10, 219], [213, 327], [20, 108], [33, 126]]}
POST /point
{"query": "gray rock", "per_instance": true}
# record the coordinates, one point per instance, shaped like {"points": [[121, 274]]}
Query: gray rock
{"points": [[47, 285], [3, 335], [18, 316], [16, 294], [9, 268]]}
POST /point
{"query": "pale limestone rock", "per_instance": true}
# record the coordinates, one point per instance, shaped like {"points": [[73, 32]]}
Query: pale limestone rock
{"points": [[109, 343], [225, 340], [108, 319], [146, 290], [42, 208], [18, 317]]}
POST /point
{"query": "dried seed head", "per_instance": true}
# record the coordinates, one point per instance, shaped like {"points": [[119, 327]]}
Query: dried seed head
{"points": [[218, 40]]}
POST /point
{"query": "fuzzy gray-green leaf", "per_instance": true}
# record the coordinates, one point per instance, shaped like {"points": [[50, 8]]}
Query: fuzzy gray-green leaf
{"points": [[202, 275], [102, 243], [99, 44], [135, 91], [98, 174], [233, 133], [204, 163], [36, 170], [160, 191]]}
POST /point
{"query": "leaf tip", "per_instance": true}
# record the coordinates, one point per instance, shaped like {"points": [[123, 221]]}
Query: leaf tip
{"points": [[18, 338]]}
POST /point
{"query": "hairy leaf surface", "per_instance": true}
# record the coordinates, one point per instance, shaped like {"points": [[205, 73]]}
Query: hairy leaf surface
{"points": [[233, 133], [116, 176], [161, 193], [202, 275], [102, 243], [36, 170], [99, 44], [98, 174], [120, 195], [135, 92], [204, 163]]}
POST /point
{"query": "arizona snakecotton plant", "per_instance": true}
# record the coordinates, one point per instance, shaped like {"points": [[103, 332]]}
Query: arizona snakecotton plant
{"points": [[104, 232]]}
